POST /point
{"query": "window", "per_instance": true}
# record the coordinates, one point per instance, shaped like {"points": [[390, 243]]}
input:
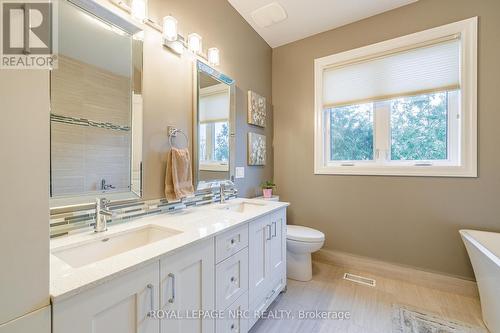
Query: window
{"points": [[214, 142], [401, 107]]}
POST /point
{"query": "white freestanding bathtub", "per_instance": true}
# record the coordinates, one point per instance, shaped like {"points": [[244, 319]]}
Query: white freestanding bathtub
{"points": [[484, 252]]}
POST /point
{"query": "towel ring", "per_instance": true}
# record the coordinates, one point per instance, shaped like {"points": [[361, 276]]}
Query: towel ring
{"points": [[172, 133]]}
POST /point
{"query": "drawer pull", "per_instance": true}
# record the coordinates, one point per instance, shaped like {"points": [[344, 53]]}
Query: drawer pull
{"points": [[233, 279], [232, 243], [275, 232], [269, 232], [172, 277], [151, 295], [271, 295]]}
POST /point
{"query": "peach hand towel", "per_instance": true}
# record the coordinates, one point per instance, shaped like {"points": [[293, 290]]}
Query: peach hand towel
{"points": [[179, 176]]}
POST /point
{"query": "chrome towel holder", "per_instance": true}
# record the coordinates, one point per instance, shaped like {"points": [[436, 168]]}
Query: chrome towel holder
{"points": [[173, 132]]}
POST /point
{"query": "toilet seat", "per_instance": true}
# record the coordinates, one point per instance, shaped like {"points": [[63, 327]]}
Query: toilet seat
{"points": [[304, 234]]}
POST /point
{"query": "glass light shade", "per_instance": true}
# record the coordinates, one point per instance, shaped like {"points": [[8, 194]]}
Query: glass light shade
{"points": [[194, 43], [138, 9], [170, 28], [214, 56]]}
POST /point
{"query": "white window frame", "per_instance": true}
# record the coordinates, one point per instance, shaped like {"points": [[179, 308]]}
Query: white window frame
{"points": [[464, 165], [213, 164]]}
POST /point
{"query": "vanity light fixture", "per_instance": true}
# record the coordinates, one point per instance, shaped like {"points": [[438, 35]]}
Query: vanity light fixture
{"points": [[139, 35], [171, 38], [213, 56], [170, 28], [177, 47], [138, 10], [194, 43]]}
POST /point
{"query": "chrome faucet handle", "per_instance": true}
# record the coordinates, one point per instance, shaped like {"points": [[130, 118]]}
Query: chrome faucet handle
{"points": [[104, 202], [106, 212], [222, 193]]}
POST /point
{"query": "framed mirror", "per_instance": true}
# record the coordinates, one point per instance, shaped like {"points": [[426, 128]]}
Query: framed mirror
{"points": [[96, 106], [214, 126]]}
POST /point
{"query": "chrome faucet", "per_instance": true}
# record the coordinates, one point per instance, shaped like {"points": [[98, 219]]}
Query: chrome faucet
{"points": [[102, 213], [105, 186], [222, 193]]}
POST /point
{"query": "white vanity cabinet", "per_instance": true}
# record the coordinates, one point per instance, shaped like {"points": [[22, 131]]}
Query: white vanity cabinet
{"points": [[120, 305], [187, 288], [237, 272], [267, 248]]}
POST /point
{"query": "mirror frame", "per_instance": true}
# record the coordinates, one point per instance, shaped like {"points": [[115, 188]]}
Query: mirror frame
{"points": [[77, 201], [200, 66]]}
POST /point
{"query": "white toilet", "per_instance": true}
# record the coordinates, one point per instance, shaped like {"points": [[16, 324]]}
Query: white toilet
{"points": [[300, 243]]}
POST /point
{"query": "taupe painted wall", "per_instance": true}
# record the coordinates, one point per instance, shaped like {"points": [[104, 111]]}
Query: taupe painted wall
{"points": [[412, 221], [168, 83]]}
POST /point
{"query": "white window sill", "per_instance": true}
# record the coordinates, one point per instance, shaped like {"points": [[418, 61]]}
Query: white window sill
{"points": [[214, 167], [387, 170]]}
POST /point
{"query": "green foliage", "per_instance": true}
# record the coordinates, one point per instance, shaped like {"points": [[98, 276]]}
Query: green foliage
{"points": [[351, 133], [419, 127], [222, 144], [268, 184]]}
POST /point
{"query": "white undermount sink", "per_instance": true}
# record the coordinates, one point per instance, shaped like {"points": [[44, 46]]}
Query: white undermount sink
{"points": [[239, 207], [111, 245]]}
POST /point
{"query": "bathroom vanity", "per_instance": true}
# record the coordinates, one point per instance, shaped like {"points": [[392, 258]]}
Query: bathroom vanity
{"points": [[207, 269], [185, 265]]}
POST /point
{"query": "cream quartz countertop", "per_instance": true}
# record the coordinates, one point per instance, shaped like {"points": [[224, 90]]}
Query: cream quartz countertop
{"points": [[195, 224]]}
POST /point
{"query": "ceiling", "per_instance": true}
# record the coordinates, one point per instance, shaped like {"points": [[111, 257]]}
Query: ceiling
{"points": [[309, 17]]}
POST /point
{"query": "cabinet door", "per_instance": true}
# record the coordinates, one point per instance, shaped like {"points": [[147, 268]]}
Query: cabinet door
{"points": [[258, 249], [187, 286], [277, 252], [120, 305]]}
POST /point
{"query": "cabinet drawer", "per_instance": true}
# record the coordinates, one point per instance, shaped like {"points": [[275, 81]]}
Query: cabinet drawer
{"points": [[231, 277], [235, 317], [231, 242]]}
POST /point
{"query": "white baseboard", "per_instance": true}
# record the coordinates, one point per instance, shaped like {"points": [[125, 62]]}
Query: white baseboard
{"points": [[399, 272]]}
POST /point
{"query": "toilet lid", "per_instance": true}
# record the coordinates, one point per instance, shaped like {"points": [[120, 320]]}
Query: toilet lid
{"points": [[304, 234]]}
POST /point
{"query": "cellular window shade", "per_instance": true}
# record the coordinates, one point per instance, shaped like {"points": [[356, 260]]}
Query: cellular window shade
{"points": [[214, 107], [414, 71]]}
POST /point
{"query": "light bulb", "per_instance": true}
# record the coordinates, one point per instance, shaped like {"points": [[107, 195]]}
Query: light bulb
{"points": [[194, 43], [170, 28], [138, 10], [214, 56]]}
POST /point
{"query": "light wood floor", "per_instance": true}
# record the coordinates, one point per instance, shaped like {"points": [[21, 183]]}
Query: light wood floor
{"points": [[371, 307]]}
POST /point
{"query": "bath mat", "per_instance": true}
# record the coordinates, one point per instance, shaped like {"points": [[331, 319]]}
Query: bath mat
{"points": [[407, 320]]}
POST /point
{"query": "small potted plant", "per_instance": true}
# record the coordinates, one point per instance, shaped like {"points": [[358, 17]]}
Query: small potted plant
{"points": [[267, 188]]}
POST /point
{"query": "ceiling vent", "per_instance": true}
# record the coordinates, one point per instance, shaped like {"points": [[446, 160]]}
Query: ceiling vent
{"points": [[269, 14]]}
